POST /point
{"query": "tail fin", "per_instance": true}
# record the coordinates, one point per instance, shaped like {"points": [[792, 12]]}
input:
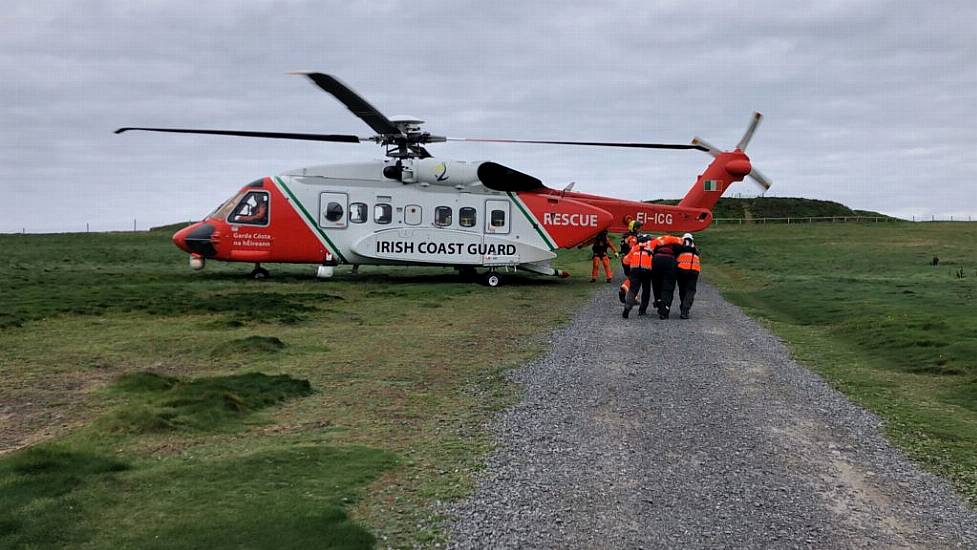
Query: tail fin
{"points": [[727, 168]]}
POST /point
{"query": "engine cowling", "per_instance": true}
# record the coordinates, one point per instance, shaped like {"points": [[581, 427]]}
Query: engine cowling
{"points": [[439, 172]]}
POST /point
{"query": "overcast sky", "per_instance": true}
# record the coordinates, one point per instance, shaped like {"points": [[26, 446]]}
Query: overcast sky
{"points": [[872, 104]]}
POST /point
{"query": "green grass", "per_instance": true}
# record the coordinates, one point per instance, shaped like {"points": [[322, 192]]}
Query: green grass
{"points": [[155, 403], [292, 497], [164, 408], [863, 306]]}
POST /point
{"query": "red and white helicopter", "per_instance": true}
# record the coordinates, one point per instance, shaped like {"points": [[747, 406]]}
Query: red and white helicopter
{"points": [[414, 209]]}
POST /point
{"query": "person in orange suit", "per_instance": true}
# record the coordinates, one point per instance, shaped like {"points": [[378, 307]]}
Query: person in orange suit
{"points": [[600, 247], [628, 241], [640, 260], [663, 272], [687, 273]]}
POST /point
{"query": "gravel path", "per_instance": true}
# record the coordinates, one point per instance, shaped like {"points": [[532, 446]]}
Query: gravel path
{"points": [[704, 433]]}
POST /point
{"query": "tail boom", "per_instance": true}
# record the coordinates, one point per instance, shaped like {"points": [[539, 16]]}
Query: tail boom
{"points": [[656, 218]]}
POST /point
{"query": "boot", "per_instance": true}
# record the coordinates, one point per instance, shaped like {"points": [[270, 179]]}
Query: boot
{"points": [[626, 312], [621, 294], [663, 312], [684, 315]]}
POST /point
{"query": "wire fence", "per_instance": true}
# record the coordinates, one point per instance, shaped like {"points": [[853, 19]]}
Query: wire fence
{"points": [[839, 219]]}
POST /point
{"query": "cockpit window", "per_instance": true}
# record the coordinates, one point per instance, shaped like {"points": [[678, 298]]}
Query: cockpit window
{"points": [[225, 208], [251, 210]]}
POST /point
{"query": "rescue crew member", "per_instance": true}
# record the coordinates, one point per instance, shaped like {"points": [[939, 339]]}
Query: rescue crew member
{"points": [[663, 272], [600, 246], [687, 273], [640, 260], [628, 241]]}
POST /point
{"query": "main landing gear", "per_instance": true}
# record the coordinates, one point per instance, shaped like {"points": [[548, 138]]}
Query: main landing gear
{"points": [[492, 279], [259, 273]]}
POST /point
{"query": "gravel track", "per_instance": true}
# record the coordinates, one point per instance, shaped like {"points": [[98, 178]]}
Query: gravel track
{"points": [[643, 433]]}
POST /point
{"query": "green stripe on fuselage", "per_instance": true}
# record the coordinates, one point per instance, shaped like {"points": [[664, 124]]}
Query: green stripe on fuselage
{"points": [[312, 220], [532, 221]]}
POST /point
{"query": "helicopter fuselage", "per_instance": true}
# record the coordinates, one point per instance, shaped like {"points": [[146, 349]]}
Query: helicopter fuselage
{"points": [[354, 214]]}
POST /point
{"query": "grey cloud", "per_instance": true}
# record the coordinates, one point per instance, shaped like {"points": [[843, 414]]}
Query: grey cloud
{"points": [[870, 103]]}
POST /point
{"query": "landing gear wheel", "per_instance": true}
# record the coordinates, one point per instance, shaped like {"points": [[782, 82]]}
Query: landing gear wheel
{"points": [[492, 279], [259, 273]]}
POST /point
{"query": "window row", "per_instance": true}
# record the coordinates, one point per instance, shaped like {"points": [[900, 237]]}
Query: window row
{"points": [[383, 214]]}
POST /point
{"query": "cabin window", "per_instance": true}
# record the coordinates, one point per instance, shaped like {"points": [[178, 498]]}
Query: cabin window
{"points": [[467, 217], [442, 216], [334, 212], [383, 213], [251, 210], [498, 218], [412, 214], [357, 212]]}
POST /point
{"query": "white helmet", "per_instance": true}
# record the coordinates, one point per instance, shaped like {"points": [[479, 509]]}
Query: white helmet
{"points": [[688, 237]]}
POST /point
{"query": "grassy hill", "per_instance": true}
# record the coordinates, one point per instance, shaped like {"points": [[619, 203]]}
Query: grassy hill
{"points": [[779, 207], [863, 305]]}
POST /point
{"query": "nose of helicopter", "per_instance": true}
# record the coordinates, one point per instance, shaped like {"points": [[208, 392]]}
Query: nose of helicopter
{"points": [[196, 239]]}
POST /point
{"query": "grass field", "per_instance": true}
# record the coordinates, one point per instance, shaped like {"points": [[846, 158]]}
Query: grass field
{"points": [[863, 306], [165, 408]]}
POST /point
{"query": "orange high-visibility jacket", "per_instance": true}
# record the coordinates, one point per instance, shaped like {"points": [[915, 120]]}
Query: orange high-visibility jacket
{"points": [[689, 261], [639, 257], [666, 240]]}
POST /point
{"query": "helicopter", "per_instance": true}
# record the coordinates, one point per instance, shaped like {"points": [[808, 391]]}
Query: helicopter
{"points": [[412, 208]]}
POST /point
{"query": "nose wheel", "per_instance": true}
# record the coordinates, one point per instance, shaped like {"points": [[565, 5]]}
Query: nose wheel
{"points": [[259, 273]]}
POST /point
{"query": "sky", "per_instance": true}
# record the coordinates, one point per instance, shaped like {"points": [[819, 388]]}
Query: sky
{"points": [[869, 103]]}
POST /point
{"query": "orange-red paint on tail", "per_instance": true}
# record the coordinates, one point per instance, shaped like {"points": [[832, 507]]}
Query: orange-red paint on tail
{"points": [[726, 169], [693, 213]]}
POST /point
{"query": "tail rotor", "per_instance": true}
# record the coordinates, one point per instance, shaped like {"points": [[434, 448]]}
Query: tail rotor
{"points": [[763, 181]]}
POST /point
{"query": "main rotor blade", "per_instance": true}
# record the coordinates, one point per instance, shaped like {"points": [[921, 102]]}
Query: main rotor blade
{"points": [[276, 135], [762, 180], [590, 143], [745, 140], [354, 102]]}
